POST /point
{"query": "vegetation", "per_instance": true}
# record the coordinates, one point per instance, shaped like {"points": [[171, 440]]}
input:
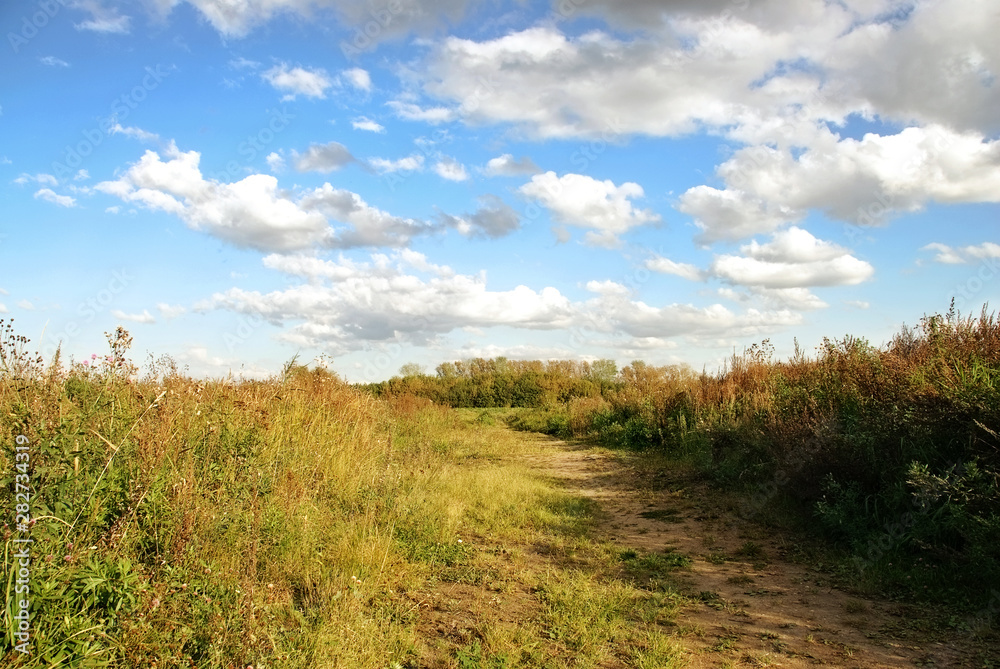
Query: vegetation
{"points": [[295, 522], [300, 522], [891, 454]]}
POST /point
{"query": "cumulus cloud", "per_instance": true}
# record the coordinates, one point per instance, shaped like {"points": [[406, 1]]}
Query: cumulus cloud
{"points": [[358, 78], [134, 132], [603, 208], [323, 158], [41, 179], [411, 163], [781, 80], [365, 123], [295, 81], [369, 226], [793, 259], [275, 162], [102, 19], [861, 181], [401, 297], [613, 310], [145, 317], [667, 266], [507, 166], [964, 255], [49, 195], [450, 169], [169, 311], [254, 212], [493, 219], [237, 18], [413, 112]]}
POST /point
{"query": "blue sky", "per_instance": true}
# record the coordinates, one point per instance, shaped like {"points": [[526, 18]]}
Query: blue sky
{"points": [[238, 181]]}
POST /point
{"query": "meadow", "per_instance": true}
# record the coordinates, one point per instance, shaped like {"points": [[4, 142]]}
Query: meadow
{"points": [[890, 454], [305, 522], [294, 522]]}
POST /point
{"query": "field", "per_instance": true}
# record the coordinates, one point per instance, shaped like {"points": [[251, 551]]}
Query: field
{"points": [[841, 507]]}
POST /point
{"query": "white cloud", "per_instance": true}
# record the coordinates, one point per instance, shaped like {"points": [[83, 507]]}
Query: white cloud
{"points": [[236, 18], [275, 162], [113, 210], [365, 123], [667, 266], [960, 256], [132, 131], [323, 158], [614, 311], [52, 61], [145, 317], [369, 226], [42, 179], [81, 175], [780, 79], [359, 78], [493, 219], [796, 299], [294, 81], [860, 181], [507, 166], [242, 63], [346, 303], [732, 214], [27, 305], [169, 311], [412, 112], [793, 259], [103, 19], [450, 169], [600, 206], [411, 163], [254, 212], [49, 196]]}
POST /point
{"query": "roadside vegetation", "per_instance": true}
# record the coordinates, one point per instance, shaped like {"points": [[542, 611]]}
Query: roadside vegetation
{"points": [[890, 455], [296, 522]]}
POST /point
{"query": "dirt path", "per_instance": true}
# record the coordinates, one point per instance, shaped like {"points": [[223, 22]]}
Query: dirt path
{"points": [[757, 608]]}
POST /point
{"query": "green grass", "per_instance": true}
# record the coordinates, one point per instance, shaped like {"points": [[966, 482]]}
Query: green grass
{"points": [[299, 522]]}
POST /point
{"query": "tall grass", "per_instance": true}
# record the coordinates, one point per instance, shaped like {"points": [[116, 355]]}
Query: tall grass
{"points": [[892, 453], [279, 523]]}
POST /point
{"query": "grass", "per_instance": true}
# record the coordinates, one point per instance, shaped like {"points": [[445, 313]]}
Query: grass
{"points": [[888, 454], [300, 522]]}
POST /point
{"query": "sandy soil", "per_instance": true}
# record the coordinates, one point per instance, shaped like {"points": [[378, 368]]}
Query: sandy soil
{"points": [[759, 609]]}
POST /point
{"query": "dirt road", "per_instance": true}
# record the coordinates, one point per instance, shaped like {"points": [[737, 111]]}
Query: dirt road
{"points": [[755, 603]]}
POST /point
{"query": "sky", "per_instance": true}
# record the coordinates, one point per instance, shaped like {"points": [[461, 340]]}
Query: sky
{"points": [[369, 184]]}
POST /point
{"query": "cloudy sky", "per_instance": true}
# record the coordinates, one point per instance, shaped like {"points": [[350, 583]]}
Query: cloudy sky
{"points": [[392, 181]]}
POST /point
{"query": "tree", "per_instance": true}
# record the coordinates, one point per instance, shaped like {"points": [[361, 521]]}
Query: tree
{"points": [[411, 369]]}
